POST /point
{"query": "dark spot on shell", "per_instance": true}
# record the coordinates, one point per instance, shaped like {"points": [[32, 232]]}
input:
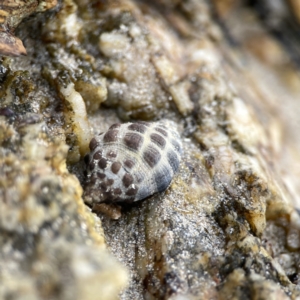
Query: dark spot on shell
{"points": [[129, 163], [102, 163], [173, 160], [162, 178], [109, 181], [127, 180], [162, 131], [101, 175], [108, 196], [92, 166], [137, 127], [117, 191], [111, 154], [93, 144], [92, 180], [97, 155], [158, 140], [115, 167], [86, 158], [151, 156], [114, 126], [110, 136], [103, 186], [132, 191], [133, 141]]}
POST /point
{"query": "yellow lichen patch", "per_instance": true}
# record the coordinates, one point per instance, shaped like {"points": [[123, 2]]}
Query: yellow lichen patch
{"points": [[276, 207], [166, 69], [257, 221], [37, 184], [92, 93], [7, 132], [232, 285], [23, 183], [237, 282], [57, 156], [3, 15], [91, 221]]}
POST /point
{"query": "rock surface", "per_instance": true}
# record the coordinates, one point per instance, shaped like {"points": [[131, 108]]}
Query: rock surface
{"points": [[12, 12], [229, 224]]}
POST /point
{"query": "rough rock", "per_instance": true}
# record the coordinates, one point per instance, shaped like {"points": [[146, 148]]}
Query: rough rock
{"points": [[229, 224]]}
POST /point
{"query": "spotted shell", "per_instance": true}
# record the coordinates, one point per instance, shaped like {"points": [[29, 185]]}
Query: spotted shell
{"points": [[131, 161]]}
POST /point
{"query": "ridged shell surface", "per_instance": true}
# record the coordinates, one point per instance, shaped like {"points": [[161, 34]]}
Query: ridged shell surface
{"points": [[131, 161]]}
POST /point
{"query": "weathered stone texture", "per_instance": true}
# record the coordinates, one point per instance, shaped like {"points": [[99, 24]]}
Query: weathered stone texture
{"points": [[226, 72]]}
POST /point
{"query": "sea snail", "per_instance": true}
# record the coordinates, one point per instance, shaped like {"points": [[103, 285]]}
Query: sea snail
{"points": [[131, 162]]}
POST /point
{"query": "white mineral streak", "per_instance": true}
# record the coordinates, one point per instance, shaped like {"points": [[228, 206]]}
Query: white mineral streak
{"points": [[78, 117], [71, 26], [165, 69], [180, 95], [204, 56], [113, 43]]}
